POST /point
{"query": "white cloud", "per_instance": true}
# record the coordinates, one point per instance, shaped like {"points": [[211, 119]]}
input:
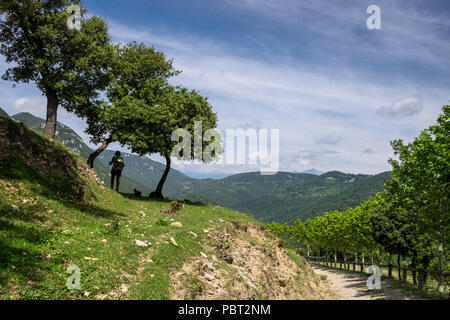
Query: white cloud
{"points": [[329, 139], [25, 104], [405, 107]]}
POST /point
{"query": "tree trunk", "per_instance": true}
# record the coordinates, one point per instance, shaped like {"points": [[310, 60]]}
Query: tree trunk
{"points": [[399, 270], [335, 258], [381, 255], [157, 194], [97, 152], [326, 260], [390, 265], [345, 260], [52, 109], [371, 257]]}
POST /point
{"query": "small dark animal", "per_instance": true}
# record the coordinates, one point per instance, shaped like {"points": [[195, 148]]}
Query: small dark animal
{"points": [[169, 211], [137, 193]]}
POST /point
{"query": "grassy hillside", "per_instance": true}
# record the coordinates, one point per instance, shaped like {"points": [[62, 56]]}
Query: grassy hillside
{"points": [[72, 140], [3, 113], [55, 213]]}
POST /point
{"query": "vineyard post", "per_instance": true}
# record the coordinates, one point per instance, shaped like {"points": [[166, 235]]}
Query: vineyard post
{"points": [[390, 265], [421, 279], [441, 264], [362, 262], [335, 258]]}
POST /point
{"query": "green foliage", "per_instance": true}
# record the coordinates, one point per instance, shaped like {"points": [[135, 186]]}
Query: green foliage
{"points": [[69, 66], [406, 218], [138, 75]]}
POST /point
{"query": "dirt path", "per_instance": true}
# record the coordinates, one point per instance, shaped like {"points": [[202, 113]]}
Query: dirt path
{"points": [[344, 285]]}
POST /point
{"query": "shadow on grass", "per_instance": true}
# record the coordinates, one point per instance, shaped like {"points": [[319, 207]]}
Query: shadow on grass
{"points": [[167, 200]]}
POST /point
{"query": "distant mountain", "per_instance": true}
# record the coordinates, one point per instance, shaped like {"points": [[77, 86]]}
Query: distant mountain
{"points": [[283, 197], [3, 113], [313, 171]]}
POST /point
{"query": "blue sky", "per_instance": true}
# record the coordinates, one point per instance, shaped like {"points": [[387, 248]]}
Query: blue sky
{"points": [[338, 92]]}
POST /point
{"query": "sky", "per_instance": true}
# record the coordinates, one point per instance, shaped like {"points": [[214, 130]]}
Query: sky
{"points": [[337, 91]]}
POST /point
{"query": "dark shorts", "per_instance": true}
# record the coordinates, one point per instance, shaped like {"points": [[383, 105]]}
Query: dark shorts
{"points": [[117, 173]]}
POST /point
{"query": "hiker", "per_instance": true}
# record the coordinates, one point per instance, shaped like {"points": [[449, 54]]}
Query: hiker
{"points": [[116, 171]]}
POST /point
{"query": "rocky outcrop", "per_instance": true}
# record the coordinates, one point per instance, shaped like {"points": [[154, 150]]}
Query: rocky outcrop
{"points": [[245, 262]]}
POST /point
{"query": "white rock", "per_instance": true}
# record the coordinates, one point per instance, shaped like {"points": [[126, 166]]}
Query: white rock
{"points": [[123, 288], [203, 255], [221, 220], [176, 224], [172, 240], [193, 233], [14, 208], [141, 243], [209, 277]]}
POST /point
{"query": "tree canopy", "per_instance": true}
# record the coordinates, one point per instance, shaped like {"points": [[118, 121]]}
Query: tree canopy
{"points": [[69, 66]]}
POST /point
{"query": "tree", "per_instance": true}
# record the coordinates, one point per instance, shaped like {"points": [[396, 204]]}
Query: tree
{"points": [[149, 129], [421, 182], [69, 66], [138, 73]]}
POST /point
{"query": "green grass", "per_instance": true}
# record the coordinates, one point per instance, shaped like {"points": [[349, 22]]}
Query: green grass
{"points": [[46, 225], [42, 239]]}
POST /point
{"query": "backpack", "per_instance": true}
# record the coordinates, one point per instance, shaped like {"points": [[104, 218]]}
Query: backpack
{"points": [[118, 164]]}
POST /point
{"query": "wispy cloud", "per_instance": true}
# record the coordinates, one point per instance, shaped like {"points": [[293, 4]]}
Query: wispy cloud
{"points": [[329, 139], [405, 107]]}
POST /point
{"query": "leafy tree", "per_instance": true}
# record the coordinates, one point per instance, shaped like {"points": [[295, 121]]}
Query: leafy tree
{"points": [[139, 75], [420, 184], [69, 66]]}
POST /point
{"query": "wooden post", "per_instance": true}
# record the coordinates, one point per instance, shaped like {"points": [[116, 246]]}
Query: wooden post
{"points": [[335, 258], [440, 265], [362, 262], [421, 279], [390, 265]]}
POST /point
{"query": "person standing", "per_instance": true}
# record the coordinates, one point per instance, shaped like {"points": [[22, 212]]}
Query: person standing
{"points": [[117, 166]]}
